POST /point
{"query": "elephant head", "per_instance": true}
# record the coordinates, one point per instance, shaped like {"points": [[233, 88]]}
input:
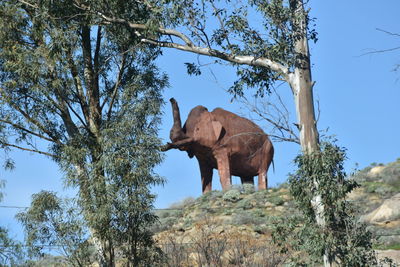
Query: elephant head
{"points": [[200, 128]]}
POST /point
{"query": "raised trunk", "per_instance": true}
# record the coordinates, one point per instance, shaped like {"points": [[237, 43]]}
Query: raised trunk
{"points": [[176, 132]]}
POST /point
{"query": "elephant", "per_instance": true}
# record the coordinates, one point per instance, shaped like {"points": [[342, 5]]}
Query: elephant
{"points": [[225, 141]]}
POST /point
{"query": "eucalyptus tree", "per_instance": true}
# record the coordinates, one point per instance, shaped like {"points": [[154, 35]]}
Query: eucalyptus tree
{"points": [[54, 222], [11, 252], [87, 95], [266, 41]]}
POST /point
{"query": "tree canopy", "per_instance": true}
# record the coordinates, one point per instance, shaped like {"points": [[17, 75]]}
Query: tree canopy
{"points": [[88, 96]]}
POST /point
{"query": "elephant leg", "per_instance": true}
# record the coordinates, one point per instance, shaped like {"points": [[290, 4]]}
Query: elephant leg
{"points": [[206, 177], [268, 152], [223, 168], [247, 180], [262, 180]]}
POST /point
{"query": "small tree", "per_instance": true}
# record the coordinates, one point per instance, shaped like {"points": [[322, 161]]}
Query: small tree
{"points": [[88, 96], [10, 250], [51, 221], [344, 240]]}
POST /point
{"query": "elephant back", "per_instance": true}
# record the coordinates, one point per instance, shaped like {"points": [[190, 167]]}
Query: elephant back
{"points": [[241, 134]]}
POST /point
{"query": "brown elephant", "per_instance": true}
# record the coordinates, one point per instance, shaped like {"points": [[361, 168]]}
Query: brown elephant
{"points": [[224, 141]]}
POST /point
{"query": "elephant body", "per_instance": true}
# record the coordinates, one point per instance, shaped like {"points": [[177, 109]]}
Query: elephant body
{"points": [[225, 141]]}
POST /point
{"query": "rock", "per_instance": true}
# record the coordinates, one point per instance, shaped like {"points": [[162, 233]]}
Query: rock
{"points": [[376, 170], [269, 204], [388, 211]]}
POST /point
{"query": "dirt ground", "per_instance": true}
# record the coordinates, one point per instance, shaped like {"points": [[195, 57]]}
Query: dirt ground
{"points": [[392, 254]]}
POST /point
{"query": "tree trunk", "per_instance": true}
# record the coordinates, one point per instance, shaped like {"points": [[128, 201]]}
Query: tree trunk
{"points": [[302, 86]]}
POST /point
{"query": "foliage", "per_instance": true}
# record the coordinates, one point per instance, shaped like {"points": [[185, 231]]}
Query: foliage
{"points": [[88, 96], [11, 252], [247, 218], [341, 237], [229, 27], [52, 221], [232, 195]]}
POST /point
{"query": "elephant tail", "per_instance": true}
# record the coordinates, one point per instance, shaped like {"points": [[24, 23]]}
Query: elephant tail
{"points": [[273, 165]]}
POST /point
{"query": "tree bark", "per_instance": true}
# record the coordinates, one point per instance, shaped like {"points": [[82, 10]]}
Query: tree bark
{"points": [[302, 87]]}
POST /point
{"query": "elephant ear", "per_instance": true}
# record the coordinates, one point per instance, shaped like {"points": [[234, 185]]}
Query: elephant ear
{"points": [[217, 127], [207, 131]]}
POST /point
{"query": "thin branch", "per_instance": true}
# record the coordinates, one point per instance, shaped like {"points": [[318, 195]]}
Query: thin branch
{"points": [[28, 149], [381, 51], [17, 126], [78, 86], [35, 122], [387, 32], [117, 83], [222, 24], [28, 4], [136, 26]]}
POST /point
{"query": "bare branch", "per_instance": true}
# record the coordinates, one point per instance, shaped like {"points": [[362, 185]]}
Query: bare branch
{"points": [[275, 114], [381, 51], [387, 32]]}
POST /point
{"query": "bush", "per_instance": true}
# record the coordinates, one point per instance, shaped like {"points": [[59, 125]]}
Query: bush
{"points": [[248, 189], [276, 200], [246, 218], [232, 195]]}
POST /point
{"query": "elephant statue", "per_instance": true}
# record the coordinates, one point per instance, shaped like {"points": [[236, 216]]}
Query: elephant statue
{"points": [[225, 141]]}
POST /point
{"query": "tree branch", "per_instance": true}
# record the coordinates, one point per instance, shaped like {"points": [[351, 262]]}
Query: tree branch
{"points": [[246, 60], [117, 83], [17, 126], [79, 89], [135, 26], [387, 32], [190, 47], [28, 149], [35, 122]]}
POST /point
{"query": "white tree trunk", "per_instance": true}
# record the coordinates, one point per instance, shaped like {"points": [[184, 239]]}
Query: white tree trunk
{"points": [[302, 88]]}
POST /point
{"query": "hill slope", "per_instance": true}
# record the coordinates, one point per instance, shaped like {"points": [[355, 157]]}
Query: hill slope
{"points": [[237, 224]]}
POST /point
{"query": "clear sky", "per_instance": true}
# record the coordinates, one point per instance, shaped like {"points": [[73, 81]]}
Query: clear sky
{"points": [[359, 99]]}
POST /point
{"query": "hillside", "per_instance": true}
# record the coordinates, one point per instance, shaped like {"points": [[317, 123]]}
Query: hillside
{"points": [[234, 227]]}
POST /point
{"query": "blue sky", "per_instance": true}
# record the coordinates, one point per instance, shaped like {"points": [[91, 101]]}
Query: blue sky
{"points": [[359, 99]]}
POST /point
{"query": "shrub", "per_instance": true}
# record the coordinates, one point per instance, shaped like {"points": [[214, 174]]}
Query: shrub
{"points": [[244, 204], [248, 189], [232, 195], [246, 217], [276, 200]]}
